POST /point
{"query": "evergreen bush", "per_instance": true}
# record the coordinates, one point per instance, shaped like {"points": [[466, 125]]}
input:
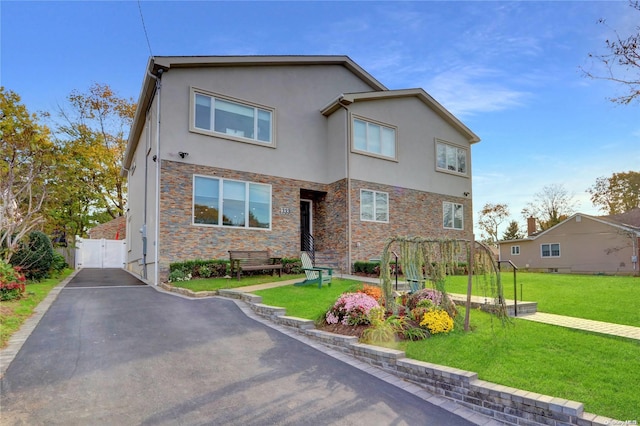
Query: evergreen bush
{"points": [[34, 257]]}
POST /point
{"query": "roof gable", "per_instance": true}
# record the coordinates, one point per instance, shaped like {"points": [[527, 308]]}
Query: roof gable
{"points": [[160, 64], [442, 112], [617, 225]]}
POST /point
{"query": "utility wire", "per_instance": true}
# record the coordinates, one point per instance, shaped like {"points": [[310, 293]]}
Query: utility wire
{"points": [[144, 27]]}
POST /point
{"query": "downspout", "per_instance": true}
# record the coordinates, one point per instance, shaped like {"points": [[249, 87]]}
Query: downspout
{"points": [[158, 165], [143, 231], [343, 103]]}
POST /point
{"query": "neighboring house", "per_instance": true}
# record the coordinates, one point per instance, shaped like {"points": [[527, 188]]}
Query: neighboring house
{"points": [[115, 229], [287, 153], [580, 244]]}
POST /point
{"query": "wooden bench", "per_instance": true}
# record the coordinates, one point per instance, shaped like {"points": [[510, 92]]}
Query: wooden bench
{"points": [[242, 260]]}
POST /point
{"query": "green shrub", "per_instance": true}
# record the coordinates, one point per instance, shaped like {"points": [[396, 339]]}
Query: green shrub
{"points": [[291, 265], [199, 268], [369, 268], [204, 271], [34, 257], [59, 263], [178, 275]]}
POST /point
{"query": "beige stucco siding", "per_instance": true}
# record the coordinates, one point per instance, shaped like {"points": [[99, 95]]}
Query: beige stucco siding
{"points": [[586, 246], [136, 203], [418, 127], [296, 93]]}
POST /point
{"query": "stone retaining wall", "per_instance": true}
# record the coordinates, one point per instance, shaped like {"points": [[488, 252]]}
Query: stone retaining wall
{"points": [[508, 405]]}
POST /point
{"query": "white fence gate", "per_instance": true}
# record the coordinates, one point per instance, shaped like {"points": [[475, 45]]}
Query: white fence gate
{"points": [[100, 253]]}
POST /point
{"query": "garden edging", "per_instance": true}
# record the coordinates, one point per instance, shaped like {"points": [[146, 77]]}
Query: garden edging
{"points": [[502, 403]]}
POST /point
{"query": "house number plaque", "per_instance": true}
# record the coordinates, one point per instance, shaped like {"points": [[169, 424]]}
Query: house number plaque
{"points": [[285, 210]]}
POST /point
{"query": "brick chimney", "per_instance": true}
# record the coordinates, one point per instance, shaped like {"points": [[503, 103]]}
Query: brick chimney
{"points": [[531, 226]]}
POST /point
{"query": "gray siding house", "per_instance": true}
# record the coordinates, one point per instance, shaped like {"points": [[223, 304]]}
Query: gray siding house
{"points": [[282, 152]]}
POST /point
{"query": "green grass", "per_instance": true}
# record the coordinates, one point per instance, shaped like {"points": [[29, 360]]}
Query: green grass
{"points": [[211, 284], [14, 313], [599, 371], [596, 297], [307, 301]]}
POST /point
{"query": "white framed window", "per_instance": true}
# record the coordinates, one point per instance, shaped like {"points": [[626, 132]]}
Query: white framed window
{"points": [[219, 115], [451, 158], [515, 250], [374, 138], [550, 250], [453, 215], [231, 203], [374, 206]]}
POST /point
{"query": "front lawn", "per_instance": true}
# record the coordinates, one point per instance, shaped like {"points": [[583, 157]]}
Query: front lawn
{"points": [[596, 297], [211, 284], [307, 301], [599, 371], [15, 312]]}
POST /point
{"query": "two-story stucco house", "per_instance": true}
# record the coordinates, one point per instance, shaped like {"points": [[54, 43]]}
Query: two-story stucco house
{"points": [[285, 153]]}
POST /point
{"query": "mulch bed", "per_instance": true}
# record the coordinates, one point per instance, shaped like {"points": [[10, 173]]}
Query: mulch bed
{"points": [[347, 330], [354, 330]]}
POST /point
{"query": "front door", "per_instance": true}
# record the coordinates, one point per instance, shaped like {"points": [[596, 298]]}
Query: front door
{"points": [[306, 242]]}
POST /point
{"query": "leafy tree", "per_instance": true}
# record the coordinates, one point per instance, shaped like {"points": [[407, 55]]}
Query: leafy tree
{"points": [[551, 205], [616, 194], [27, 156], [491, 216], [622, 62], [92, 136], [513, 232]]}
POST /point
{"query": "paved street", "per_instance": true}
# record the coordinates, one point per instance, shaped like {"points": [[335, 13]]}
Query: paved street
{"points": [[111, 350]]}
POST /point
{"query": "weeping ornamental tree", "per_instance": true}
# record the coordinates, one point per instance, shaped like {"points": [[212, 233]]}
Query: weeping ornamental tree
{"points": [[438, 258]]}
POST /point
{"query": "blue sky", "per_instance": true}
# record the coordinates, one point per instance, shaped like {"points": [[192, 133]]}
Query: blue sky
{"points": [[509, 70]]}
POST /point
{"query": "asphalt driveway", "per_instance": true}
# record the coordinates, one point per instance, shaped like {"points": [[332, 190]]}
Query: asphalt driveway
{"points": [[111, 350]]}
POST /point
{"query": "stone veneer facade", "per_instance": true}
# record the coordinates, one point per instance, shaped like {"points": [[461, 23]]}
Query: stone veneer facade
{"points": [[411, 212]]}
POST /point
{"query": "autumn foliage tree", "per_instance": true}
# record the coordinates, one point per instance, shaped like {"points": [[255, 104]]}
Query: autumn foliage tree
{"points": [[616, 194], [27, 157], [92, 136], [491, 216]]}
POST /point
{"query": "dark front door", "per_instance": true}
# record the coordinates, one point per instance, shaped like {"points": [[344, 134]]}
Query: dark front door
{"points": [[305, 225]]}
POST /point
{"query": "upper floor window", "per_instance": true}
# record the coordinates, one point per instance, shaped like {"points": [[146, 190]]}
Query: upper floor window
{"points": [[242, 204], [219, 115], [453, 215], [451, 158], [374, 138], [550, 250], [515, 250], [374, 206]]}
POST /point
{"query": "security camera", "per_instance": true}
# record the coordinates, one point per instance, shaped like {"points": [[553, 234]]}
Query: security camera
{"points": [[183, 154]]}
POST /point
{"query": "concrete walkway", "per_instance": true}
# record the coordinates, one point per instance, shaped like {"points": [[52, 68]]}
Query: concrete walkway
{"points": [[599, 327]]}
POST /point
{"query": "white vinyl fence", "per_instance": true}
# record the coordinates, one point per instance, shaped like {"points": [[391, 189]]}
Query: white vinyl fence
{"points": [[100, 253]]}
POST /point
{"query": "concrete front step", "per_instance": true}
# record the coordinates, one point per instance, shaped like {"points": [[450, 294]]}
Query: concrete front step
{"points": [[485, 303]]}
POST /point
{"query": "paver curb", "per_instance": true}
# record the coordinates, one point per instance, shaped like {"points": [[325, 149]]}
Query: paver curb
{"points": [[8, 354], [457, 391]]}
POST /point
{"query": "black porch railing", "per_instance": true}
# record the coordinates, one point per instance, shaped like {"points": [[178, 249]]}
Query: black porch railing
{"points": [[308, 245]]}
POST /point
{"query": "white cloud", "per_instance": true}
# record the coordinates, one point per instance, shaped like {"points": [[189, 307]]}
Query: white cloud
{"points": [[469, 90]]}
